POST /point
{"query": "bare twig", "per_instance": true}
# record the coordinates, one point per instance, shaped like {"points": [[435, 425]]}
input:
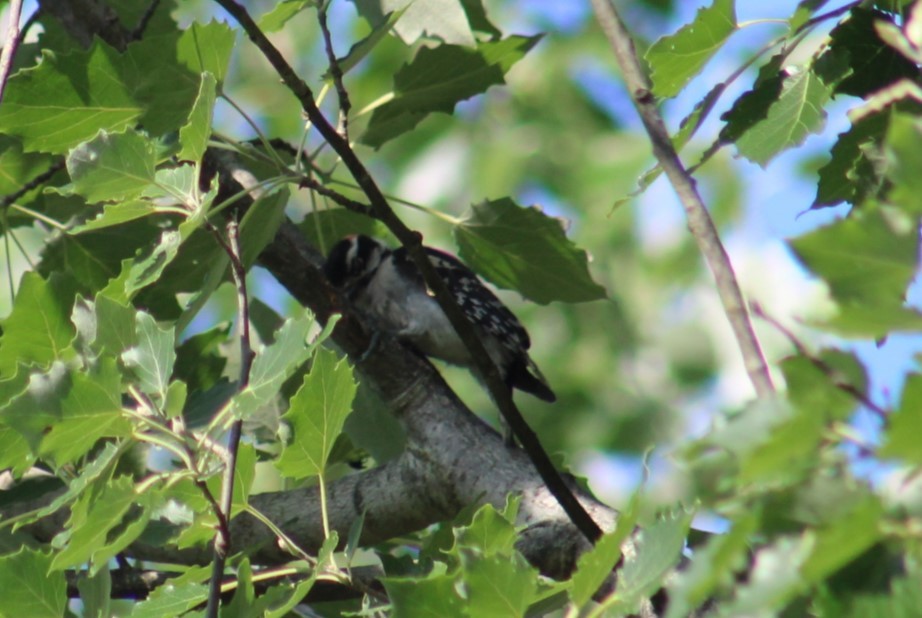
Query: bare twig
{"points": [[336, 196], [413, 242], [835, 376], [699, 220], [336, 71], [35, 183], [138, 31], [12, 43], [222, 541]]}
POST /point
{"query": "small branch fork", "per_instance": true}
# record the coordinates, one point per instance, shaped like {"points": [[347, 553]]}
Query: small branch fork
{"points": [[381, 210], [699, 221]]}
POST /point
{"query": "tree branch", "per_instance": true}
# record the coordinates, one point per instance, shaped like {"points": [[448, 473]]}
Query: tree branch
{"points": [[699, 220]]}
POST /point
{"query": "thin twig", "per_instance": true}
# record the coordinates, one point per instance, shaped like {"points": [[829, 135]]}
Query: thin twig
{"points": [[138, 31], [835, 376], [699, 220], [12, 44], [336, 71], [336, 196], [35, 183], [222, 540], [412, 241]]}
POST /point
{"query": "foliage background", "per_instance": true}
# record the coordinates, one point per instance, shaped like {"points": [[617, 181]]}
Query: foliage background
{"points": [[654, 365]]}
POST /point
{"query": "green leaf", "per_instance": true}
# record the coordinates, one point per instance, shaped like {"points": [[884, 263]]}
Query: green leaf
{"points": [[98, 470], [525, 250], [324, 228], [116, 214], [91, 409], [153, 357], [276, 18], [198, 360], [903, 161], [360, 50], [440, 77], [67, 99], [752, 107], [171, 600], [499, 585], [38, 329], [274, 364], [867, 259], [115, 326], [597, 564], [901, 438], [95, 593], [659, 550], [207, 48], [102, 525], [843, 539], [854, 171], [317, 414], [490, 531], [796, 114], [444, 20], [112, 166], [147, 269], [674, 60], [874, 64], [426, 597], [260, 224], [29, 588], [195, 134]]}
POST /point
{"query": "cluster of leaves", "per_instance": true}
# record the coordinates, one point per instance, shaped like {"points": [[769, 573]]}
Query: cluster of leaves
{"points": [[97, 360], [828, 544]]}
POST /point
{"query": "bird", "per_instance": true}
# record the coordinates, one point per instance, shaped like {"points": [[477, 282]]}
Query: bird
{"points": [[385, 286]]}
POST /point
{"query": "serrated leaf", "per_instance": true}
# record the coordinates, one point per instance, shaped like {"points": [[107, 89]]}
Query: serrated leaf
{"points": [[38, 329], [873, 63], [104, 526], [274, 364], [195, 134], [499, 585], [438, 19], [90, 410], [674, 60], [100, 468], [867, 259], [901, 437], [796, 113], [29, 589], [66, 99], [153, 357], [432, 595], [525, 250], [112, 166], [490, 532], [854, 170], [438, 78], [116, 214], [95, 593], [316, 415]]}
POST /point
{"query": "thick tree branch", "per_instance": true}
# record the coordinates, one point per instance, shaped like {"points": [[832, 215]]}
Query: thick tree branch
{"points": [[413, 242], [699, 220]]}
